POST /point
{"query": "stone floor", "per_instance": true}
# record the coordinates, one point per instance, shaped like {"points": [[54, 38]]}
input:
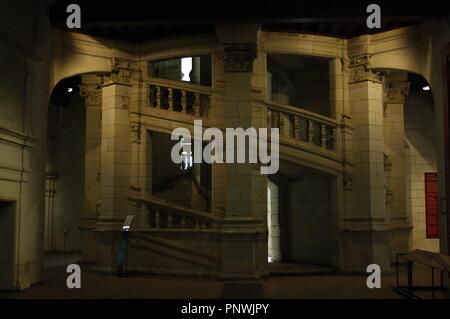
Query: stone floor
{"points": [[100, 285]]}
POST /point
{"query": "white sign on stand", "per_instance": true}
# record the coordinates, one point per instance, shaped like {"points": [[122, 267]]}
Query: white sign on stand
{"points": [[127, 223]]}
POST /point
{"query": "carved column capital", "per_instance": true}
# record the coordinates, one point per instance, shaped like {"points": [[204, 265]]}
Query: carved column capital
{"points": [[91, 93], [238, 57], [121, 72], [395, 90], [359, 68]]}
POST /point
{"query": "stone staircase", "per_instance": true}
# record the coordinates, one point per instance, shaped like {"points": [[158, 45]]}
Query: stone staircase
{"points": [[176, 190], [175, 239]]}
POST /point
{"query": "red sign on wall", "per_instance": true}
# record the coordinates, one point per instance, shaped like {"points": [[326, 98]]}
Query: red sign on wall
{"points": [[431, 205]]}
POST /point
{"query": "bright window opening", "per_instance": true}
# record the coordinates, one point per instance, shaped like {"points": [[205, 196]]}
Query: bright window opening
{"points": [[186, 68]]}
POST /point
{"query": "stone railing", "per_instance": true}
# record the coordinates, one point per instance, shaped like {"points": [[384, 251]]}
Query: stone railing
{"points": [[316, 130], [179, 96], [163, 215]]}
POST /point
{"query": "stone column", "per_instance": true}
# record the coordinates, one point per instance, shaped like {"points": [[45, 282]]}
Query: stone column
{"points": [[141, 144], [367, 235], [342, 188], [91, 90], [245, 245], [50, 191], [219, 117], [115, 163], [395, 89]]}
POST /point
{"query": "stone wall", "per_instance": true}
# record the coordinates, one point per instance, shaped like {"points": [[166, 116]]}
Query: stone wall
{"points": [[305, 85], [24, 91], [420, 157], [66, 154]]}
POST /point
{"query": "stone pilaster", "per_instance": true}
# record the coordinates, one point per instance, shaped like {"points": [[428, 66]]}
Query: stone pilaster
{"points": [[115, 162], [245, 253], [141, 143], [50, 191], [342, 189], [366, 232], [91, 90], [395, 89]]}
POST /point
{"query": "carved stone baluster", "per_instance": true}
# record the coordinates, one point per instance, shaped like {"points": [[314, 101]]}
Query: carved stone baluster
{"points": [[158, 97], [183, 102], [170, 99], [290, 123], [310, 131], [197, 104], [323, 135], [276, 119], [282, 124], [209, 107], [333, 139], [169, 220], [296, 127], [157, 219], [150, 96]]}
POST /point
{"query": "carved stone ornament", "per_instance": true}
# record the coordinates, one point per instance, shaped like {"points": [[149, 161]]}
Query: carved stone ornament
{"points": [[348, 182], [120, 72], [360, 70], [136, 133], [387, 162], [395, 91], [239, 57], [92, 94]]}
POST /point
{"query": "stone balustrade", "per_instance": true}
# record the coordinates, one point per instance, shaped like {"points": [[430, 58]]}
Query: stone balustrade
{"points": [[164, 215], [303, 126], [179, 96]]}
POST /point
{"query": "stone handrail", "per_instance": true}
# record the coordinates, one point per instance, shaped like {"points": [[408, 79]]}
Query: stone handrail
{"points": [[302, 125], [179, 96], [167, 215]]}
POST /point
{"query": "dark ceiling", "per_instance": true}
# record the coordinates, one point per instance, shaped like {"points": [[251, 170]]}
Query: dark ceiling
{"points": [[133, 21]]}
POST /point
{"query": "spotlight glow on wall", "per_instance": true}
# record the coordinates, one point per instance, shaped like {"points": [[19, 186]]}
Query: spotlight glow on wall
{"points": [[426, 88]]}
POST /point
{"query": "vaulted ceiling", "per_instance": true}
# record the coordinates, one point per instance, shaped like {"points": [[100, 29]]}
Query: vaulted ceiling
{"points": [[134, 21]]}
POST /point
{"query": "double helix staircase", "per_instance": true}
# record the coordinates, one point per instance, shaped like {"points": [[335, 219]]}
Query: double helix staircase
{"points": [[181, 237]]}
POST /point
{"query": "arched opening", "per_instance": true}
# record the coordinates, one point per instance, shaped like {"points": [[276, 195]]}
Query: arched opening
{"points": [[65, 171], [300, 220], [299, 81], [421, 164], [410, 162]]}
